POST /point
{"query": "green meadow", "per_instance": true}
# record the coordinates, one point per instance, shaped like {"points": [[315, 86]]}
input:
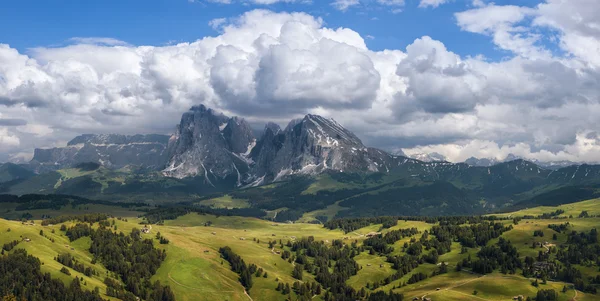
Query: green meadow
{"points": [[195, 270]]}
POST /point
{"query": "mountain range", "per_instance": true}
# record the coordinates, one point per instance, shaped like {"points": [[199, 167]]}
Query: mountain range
{"points": [[211, 153], [486, 162]]}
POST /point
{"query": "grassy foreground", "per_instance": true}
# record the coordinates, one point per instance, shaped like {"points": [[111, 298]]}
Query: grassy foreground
{"points": [[195, 270]]}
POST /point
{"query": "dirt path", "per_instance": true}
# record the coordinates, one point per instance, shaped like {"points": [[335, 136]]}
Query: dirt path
{"points": [[455, 286], [246, 293]]}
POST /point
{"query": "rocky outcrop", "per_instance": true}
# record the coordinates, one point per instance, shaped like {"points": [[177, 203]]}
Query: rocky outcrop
{"points": [[310, 146], [211, 145]]}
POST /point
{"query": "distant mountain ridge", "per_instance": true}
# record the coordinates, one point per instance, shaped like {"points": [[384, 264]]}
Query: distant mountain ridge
{"points": [[110, 150], [485, 162]]}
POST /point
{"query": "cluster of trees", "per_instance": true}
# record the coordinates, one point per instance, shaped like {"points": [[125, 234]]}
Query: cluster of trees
{"points": [[546, 295], [582, 248], [306, 290], [84, 218], [551, 214], [68, 260], [239, 266], [380, 243], [297, 272], [161, 239], [78, 231], [559, 228], [133, 259], [503, 255], [114, 288], [158, 216], [539, 233], [331, 265], [10, 245], [546, 270], [416, 277], [474, 235], [352, 224], [21, 277]]}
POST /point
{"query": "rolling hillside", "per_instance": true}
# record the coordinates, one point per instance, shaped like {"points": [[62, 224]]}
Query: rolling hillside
{"points": [[195, 270]]}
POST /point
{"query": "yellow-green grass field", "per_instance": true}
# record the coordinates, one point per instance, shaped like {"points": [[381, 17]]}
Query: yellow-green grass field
{"points": [[574, 209], [195, 270], [43, 248], [225, 201]]}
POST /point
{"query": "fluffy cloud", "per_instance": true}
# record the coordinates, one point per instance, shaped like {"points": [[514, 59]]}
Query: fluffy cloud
{"points": [[276, 66]]}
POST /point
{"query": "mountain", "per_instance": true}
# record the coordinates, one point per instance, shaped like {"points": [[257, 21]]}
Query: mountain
{"points": [[215, 146], [111, 151], [472, 161], [310, 146], [211, 145], [313, 162], [431, 157]]}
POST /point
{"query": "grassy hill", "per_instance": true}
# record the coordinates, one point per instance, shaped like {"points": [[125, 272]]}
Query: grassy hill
{"points": [[195, 270]]}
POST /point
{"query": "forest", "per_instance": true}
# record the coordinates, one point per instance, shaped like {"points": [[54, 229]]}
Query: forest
{"points": [[21, 278]]}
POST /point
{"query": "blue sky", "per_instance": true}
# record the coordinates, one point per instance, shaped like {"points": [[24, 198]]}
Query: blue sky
{"points": [[27, 24]]}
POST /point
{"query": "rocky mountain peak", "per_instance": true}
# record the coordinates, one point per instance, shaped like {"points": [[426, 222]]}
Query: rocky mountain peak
{"points": [[209, 144], [309, 145], [272, 127], [328, 131]]}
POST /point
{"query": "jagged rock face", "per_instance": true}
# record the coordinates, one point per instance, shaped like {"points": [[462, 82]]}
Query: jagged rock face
{"points": [[309, 146], [210, 145], [111, 151], [238, 135], [266, 150]]}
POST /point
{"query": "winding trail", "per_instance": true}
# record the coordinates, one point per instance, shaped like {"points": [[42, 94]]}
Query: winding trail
{"points": [[246, 293], [455, 286]]}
